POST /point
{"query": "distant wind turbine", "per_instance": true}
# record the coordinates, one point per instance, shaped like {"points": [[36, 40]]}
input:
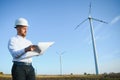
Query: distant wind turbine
{"points": [[60, 57], [90, 18]]}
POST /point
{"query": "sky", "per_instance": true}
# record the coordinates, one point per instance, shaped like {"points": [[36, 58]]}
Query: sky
{"points": [[55, 20]]}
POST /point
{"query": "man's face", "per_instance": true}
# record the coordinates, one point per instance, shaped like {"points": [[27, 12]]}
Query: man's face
{"points": [[22, 31]]}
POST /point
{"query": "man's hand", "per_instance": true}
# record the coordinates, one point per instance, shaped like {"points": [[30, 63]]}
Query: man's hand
{"points": [[37, 49], [30, 48]]}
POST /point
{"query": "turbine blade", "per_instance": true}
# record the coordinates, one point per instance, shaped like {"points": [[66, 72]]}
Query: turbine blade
{"points": [[100, 20], [90, 9], [80, 24], [62, 53]]}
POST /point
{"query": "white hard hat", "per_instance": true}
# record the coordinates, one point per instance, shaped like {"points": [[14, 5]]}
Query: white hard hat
{"points": [[21, 21]]}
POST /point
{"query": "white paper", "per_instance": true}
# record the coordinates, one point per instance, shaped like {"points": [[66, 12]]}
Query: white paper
{"points": [[43, 46]]}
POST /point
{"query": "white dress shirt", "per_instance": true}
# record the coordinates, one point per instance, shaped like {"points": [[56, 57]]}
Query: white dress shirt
{"points": [[16, 46]]}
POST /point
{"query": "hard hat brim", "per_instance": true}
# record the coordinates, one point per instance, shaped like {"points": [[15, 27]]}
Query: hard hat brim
{"points": [[20, 26]]}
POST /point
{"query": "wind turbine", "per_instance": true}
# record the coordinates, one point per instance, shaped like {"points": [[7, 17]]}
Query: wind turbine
{"points": [[60, 57], [90, 18]]}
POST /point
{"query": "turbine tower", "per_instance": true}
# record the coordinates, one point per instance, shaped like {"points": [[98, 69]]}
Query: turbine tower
{"points": [[90, 18]]}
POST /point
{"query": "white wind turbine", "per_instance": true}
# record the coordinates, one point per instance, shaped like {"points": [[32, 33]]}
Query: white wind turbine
{"points": [[60, 58], [90, 18]]}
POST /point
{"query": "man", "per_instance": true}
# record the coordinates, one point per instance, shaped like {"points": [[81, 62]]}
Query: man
{"points": [[19, 47]]}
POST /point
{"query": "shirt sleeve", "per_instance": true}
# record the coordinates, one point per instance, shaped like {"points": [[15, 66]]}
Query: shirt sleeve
{"points": [[13, 50]]}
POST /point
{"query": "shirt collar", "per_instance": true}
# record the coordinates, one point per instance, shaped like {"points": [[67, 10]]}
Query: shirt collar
{"points": [[18, 36]]}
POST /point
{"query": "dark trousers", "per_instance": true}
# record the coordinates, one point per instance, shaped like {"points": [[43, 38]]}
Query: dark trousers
{"points": [[23, 72]]}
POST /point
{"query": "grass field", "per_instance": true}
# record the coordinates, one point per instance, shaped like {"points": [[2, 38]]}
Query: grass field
{"points": [[70, 77]]}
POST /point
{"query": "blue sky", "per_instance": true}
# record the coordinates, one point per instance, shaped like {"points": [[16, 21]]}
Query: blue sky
{"points": [[55, 20]]}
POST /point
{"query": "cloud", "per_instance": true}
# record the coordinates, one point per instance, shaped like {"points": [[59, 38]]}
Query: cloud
{"points": [[116, 19]]}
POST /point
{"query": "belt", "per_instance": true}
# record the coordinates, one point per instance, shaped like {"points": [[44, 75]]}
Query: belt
{"points": [[21, 63]]}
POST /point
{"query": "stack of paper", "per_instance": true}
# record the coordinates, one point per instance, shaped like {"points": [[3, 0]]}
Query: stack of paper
{"points": [[41, 48]]}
